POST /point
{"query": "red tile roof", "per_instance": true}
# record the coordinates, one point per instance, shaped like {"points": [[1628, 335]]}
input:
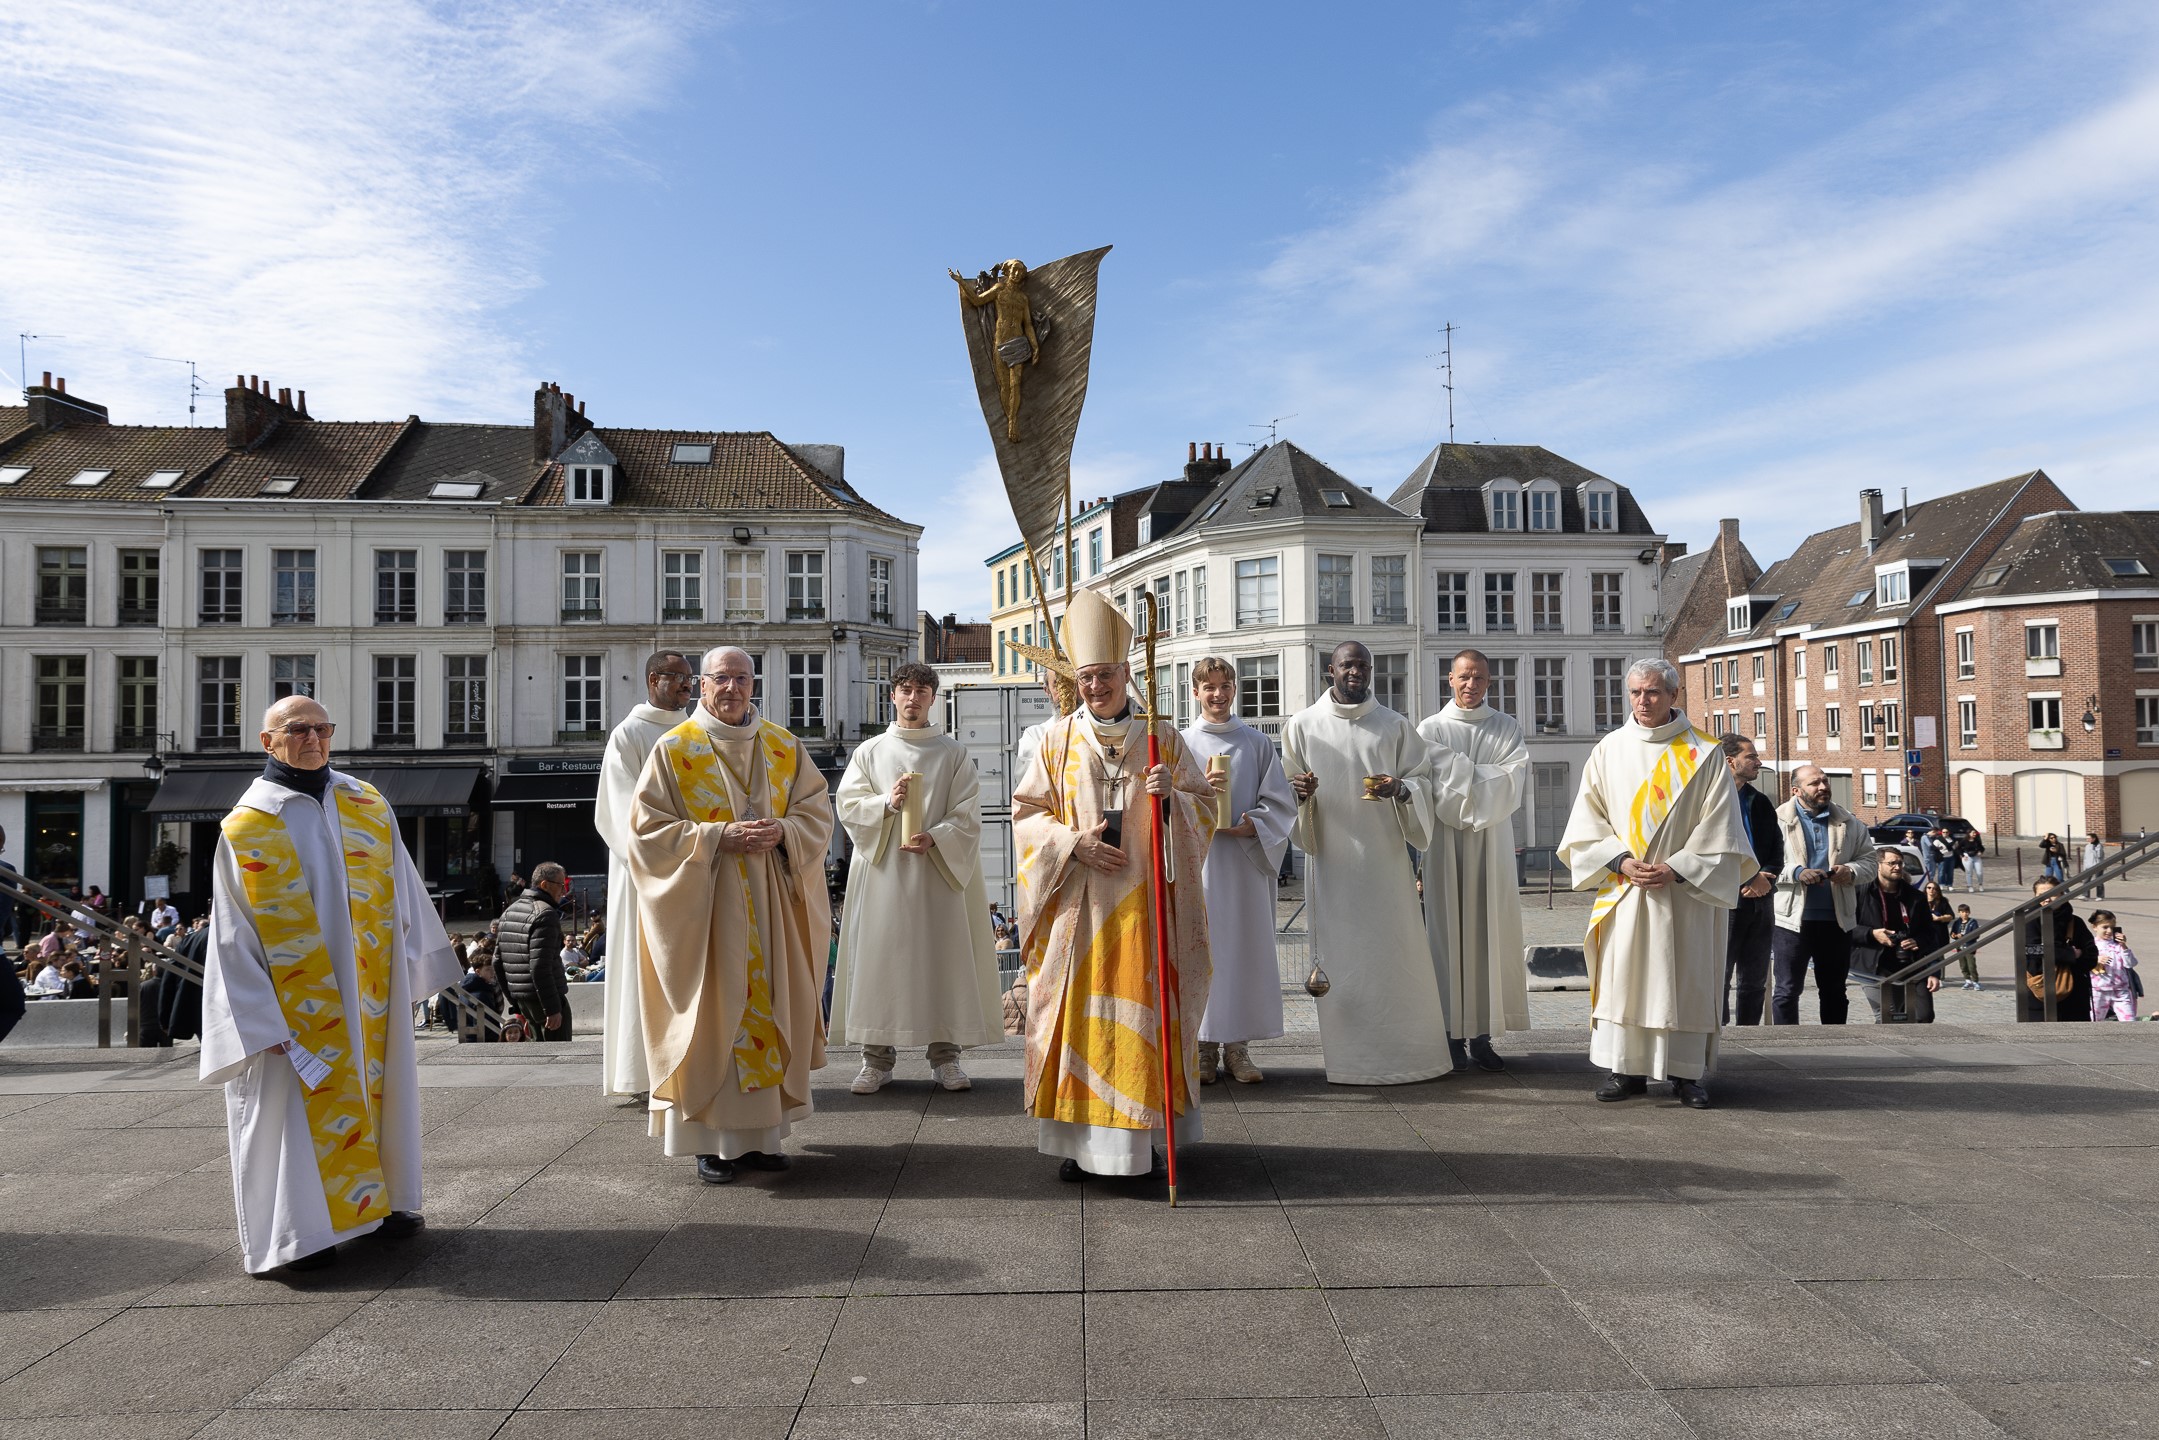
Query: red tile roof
{"points": [[749, 470], [131, 452]]}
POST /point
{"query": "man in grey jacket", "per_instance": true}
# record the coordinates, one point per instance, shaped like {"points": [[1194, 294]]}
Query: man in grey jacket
{"points": [[1827, 855], [528, 954]]}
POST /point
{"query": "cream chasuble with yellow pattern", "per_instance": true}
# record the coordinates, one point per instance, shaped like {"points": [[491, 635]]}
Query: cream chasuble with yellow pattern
{"points": [[734, 944], [1094, 1065], [1656, 957]]}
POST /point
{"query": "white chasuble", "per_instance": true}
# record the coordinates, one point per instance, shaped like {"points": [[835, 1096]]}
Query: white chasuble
{"points": [[1656, 957], [1244, 1001], [622, 1032], [277, 1180], [734, 943], [1472, 905], [1382, 1022], [917, 959]]}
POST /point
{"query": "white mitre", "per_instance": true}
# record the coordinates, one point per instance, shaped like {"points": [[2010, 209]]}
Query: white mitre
{"points": [[1094, 633]]}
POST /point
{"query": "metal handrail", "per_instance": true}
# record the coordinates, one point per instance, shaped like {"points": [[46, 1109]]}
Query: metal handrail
{"points": [[18, 889], [2011, 923]]}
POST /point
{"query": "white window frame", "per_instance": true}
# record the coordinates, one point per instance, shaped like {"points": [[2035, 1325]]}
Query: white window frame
{"points": [[1503, 506], [1540, 505], [587, 484], [740, 569], [1967, 722], [1265, 576], [1967, 648], [682, 572], [588, 576], [802, 578]]}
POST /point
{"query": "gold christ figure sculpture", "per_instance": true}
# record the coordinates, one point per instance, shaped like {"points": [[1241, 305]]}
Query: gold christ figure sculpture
{"points": [[1014, 339]]}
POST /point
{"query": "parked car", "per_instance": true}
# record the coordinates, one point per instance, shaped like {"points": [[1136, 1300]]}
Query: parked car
{"points": [[1908, 830]]}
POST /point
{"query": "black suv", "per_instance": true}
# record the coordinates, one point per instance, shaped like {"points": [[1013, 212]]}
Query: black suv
{"points": [[1913, 829]]}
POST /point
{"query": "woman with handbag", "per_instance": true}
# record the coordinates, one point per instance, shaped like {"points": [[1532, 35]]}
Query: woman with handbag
{"points": [[2115, 984], [2076, 955]]}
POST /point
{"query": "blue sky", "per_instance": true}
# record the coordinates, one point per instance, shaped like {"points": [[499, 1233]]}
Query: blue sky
{"points": [[1744, 259]]}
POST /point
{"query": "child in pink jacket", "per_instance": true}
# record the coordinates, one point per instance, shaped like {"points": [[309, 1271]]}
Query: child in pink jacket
{"points": [[2114, 985]]}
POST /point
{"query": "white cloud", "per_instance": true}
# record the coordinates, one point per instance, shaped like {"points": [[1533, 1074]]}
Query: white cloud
{"points": [[343, 198], [973, 521]]}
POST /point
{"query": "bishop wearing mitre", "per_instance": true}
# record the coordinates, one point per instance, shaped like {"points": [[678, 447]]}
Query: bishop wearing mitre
{"points": [[1083, 824], [917, 962], [727, 841]]}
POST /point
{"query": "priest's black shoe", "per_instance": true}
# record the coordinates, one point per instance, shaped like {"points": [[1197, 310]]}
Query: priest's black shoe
{"points": [[714, 1171], [1458, 1052], [1070, 1172], [764, 1160], [322, 1259], [1622, 1087], [1692, 1093], [401, 1224], [1483, 1056]]}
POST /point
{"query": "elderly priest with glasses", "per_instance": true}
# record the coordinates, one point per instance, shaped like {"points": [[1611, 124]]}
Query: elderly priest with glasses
{"points": [[727, 841], [321, 937]]}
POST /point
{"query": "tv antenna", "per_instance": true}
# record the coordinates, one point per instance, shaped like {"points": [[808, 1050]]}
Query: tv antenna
{"points": [[194, 381], [1446, 357], [22, 357], [1271, 426]]}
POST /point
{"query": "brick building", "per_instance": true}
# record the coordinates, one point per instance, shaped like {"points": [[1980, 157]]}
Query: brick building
{"points": [[1697, 586], [2053, 656], [1834, 655]]}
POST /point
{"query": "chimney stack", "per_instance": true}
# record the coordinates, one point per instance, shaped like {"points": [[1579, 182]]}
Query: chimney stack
{"points": [[1870, 519], [51, 407], [253, 413], [1191, 447], [557, 419]]}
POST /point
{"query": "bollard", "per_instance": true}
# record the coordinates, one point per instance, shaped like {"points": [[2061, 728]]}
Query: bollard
{"points": [[135, 985]]}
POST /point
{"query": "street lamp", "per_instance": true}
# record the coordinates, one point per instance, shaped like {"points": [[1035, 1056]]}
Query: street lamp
{"points": [[2091, 713]]}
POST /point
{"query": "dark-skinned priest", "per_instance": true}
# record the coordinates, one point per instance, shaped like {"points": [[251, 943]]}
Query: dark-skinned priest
{"points": [[1656, 833], [1086, 866], [727, 846], [321, 937]]}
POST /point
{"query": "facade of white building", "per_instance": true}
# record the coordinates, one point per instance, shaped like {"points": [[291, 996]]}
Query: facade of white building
{"points": [[472, 603]]}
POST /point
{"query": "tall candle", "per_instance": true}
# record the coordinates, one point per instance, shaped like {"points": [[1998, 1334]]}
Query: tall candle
{"points": [[911, 808], [1225, 810]]}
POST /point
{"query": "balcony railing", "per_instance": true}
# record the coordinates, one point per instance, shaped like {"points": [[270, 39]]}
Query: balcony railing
{"points": [[127, 739], [580, 614], [682, 612], [217, 617], [45, 737], [591, 736], [397, 616], [463, 739], [807, 732], [395, 740], [464, 617], [292, 617], [805, 612], [880, 617], [138, 615], [49, 613], [218, 742]]}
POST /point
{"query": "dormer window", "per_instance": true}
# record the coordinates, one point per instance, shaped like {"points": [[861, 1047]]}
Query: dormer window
{"points": [[1600, 505], [1503, 505], [588, 485], [1544, 506], [1738, 615], [1892, 585]]}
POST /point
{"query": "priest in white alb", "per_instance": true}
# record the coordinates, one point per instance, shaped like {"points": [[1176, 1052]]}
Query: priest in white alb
{"points": [[1244, 1001], [669, 682], [728, 831], [917, 960], [1081, 819], [1472, 905], [1656, 832], [1363, 781], [321, 936]]}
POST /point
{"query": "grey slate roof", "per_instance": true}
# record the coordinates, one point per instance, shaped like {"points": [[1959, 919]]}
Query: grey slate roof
{"points": [[499, 455], [1447, 488], [2069, 550], [1299, 484]]}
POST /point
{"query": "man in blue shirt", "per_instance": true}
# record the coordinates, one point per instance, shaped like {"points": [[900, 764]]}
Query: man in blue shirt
{"points": [[1827, 855], [1753, 922]]}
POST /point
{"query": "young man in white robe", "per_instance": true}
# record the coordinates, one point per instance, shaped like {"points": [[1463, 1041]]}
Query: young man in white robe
{"points": [[1656, 833], [1244, 1002], [917, 959], [1363, 780], [1472, 905], [321, 935], [670, 680]]}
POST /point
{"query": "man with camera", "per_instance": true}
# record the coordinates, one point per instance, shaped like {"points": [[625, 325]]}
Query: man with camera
{"points": [[1890, 930]]}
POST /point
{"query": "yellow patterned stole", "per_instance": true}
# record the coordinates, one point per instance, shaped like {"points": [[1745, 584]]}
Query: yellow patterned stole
{"points": [[1681, 757], [760, 1055], [341, 1111]]}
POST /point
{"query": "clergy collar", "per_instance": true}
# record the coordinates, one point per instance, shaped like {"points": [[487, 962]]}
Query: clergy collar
{"points": [[1456, 712], [271, 798], [915, 736], [719, 729], [654, 715], [1349, 712], [1678, 724], [1222, 727]]}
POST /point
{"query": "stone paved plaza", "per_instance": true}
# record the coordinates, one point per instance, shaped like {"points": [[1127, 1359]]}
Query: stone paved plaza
{"points": [[1876, 1232]]}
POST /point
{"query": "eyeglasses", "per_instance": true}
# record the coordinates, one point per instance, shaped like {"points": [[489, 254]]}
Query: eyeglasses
{"points": [[300, 732], [730, 679]]}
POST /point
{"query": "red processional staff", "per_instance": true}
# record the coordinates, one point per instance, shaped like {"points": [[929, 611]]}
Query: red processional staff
{"points": [[1159, 883]]}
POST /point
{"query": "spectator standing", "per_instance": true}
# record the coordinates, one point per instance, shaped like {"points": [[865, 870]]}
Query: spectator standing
{"points": [[1961, 931], [2115, 985], [2052, 858], [1972, 850], [1754, 920], [2076, 954], [1828, 856], [481, 984], [1942, 854], [2094, 856], [528, 953], [1938, 909]]}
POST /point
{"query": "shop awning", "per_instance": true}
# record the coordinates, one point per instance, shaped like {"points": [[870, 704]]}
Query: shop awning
{"points": [[414, 790], [198, 794], [562, 791]]}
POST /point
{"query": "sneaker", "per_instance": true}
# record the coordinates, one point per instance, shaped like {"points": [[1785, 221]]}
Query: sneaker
{"points": [[1210, 1061], [871, 1080], [1238, 1060], [950, 1076]]}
